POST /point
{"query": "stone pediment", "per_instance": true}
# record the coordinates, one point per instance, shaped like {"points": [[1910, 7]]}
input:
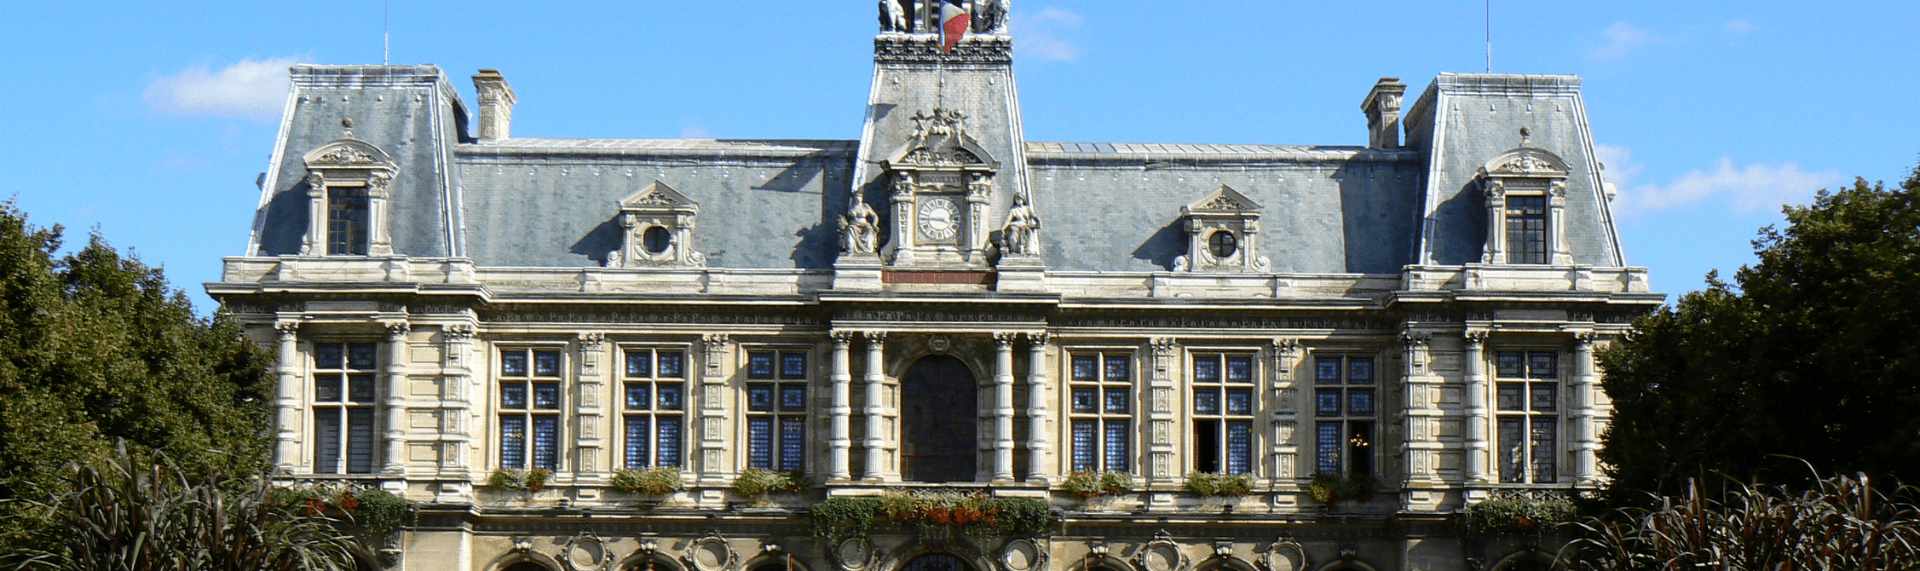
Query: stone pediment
{"points": [[1224, 200], [940, 141], [657, 196], [348, 153], [1526, 162]]}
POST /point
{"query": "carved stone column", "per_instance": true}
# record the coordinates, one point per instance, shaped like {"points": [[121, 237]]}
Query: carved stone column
{"points": [[1584, 473], [1286, 453], [1476, 364], [877, 450], [1003, 407], [978, 192], [713, 410], [1557, 224], [1496, 248], [1039, 408], [287, 402], [456, 404], [589, 441], [1161, 385], [838, 468], [395, 460]]}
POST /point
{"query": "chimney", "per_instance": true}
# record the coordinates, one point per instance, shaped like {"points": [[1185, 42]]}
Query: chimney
{"points": [[496, 104], [1383, 113]]}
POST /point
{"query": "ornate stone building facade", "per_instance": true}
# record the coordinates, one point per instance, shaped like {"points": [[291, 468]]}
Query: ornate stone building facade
{"points": [[941, 305]]}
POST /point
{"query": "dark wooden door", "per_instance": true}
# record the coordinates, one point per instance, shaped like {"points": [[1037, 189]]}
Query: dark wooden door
{"points": [[941, 419]]}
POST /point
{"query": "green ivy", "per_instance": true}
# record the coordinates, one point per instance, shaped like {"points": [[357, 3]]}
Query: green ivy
{"points": [[651, 481], [848, 517], [1205, 484], [1517, 516]]}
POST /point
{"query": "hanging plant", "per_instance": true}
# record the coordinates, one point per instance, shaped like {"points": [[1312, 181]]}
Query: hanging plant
{"points": [[755, 482], [1092, 484], [847, 517], [649, 482], [1206, 484], [517, 480], [1519, 515], [1328, 488]]}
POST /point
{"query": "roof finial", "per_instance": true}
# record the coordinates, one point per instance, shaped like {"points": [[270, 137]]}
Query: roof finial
{"points": [[348, 123], [1526, 134]]}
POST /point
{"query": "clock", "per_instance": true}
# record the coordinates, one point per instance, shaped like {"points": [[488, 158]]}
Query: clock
{"points": [[939, 219]]}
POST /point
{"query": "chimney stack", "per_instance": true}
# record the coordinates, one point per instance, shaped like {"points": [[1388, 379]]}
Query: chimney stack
{"points": [[1382, 107], [496, 104]]}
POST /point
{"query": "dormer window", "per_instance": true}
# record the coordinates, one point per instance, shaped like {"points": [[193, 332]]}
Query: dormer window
{"points": [[1222, 228], [1526, 190], [347, 191], [658, 223]]}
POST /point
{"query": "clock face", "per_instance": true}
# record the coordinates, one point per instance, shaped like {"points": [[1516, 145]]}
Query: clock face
{"points": [[939, 219]]}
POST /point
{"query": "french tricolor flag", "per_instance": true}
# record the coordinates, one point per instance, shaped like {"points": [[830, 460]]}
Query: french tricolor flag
{"points": [[954, 23]]}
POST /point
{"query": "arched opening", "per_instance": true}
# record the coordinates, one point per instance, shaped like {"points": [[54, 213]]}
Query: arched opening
{"points": [[1526, 561], [940, 417], [937, 562], [526, 566]]}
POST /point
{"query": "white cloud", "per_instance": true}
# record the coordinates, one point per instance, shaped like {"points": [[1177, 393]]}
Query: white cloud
{"points": [[250, 88], [1034, 34], [694, 131], [1741, 27], [1745, 190], [1620, 39]]}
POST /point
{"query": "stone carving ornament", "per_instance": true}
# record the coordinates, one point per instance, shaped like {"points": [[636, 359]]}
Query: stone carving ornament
{"points": [[712, 553], [1284, 555], [1023, 555], [892, 17], [1161, 554], [586, 552], [990, 16]]}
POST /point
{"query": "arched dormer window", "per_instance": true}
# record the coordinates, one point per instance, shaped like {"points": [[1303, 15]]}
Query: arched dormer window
{"points": [[1223, 228], [348, 183], [1526, 191], [658, 225]]}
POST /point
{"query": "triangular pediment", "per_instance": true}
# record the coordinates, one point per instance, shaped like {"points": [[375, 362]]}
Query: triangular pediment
{"points": [[1527, 161], [348, 153], [1224, 200], [657, 196]]}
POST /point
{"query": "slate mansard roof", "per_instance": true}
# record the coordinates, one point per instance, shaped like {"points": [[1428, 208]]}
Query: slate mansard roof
{"points": [[775, 204]]}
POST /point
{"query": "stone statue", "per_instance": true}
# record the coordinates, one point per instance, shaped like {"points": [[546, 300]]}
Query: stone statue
{"points": [[860, 228], [990, 16], [892, 17], [1021, 234]]}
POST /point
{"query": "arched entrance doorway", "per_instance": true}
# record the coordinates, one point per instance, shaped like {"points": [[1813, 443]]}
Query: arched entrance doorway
{"points": [[937, 562], [940, 418]]}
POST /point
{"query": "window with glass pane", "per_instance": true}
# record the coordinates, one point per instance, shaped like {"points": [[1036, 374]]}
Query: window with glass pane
{"points": [[1526, 229], [1223, 397], [347, 220], [1527, 402], [1345, 406], [344, 377], [1100, 410], [530, 405], [777, 409], [653, 406]]}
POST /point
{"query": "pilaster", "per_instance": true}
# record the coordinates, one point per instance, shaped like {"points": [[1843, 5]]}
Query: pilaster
{"points": [[590, 439], [712, 465], [1286, 411], [1161, 385], [1584, 444], [879, 448], [1475, 359], [456, 412]]}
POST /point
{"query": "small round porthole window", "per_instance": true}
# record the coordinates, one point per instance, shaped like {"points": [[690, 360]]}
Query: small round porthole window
{"points": [[658, 239], [1222, 244]]}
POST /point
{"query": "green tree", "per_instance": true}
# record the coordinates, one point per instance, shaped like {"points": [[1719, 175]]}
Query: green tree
{"points": [[95, 347], [1813, 354]]}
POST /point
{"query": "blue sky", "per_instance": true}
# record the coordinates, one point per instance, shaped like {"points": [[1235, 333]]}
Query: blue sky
{"points": [[150, 121]]}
